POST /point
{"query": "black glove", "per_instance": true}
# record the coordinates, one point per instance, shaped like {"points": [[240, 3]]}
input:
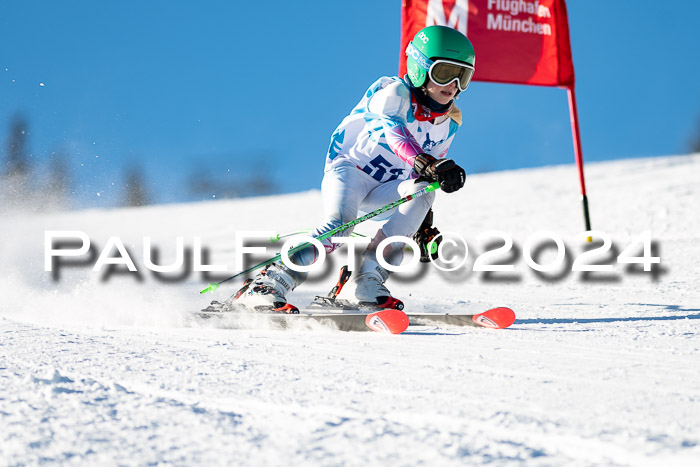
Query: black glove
{"points": [[425, 234], [444, 171]]}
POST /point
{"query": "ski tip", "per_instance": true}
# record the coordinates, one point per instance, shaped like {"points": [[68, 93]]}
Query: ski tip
{"points": [[495, 318], [391, 321]]}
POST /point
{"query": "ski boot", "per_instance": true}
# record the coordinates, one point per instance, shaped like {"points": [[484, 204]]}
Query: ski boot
{"points": [[370, 280], [266, 292]]}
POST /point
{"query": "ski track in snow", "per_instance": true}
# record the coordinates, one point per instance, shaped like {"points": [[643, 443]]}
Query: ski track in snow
{"points": [[598, 372]]}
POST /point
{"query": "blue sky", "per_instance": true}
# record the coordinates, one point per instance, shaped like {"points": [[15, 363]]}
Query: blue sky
{"points": [[214, 88]]}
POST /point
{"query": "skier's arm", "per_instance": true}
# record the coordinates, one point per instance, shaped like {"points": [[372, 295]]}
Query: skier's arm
{"points": [[400, 140], [392, 104]]}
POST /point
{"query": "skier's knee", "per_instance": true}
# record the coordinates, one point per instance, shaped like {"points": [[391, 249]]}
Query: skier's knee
{"points": [[409, 187], [428, 199]]}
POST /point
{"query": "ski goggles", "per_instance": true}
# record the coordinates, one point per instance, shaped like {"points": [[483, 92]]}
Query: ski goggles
{"points": [[442, 71]]}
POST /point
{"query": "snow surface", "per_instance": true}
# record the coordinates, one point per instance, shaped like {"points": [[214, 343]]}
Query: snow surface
{"points": [[604, 370]]}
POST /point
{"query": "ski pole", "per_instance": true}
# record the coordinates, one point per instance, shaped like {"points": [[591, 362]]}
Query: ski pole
{"points": [[432, 187], [277, 237]]}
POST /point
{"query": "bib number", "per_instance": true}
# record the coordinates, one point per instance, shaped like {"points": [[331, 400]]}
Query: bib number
{"points": [[378, 168]]}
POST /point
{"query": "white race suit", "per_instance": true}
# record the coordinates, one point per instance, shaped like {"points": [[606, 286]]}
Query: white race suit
{"points": [[370, 161]]}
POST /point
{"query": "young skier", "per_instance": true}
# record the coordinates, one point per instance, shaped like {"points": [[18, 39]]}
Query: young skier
{"points": [[391, 145]]}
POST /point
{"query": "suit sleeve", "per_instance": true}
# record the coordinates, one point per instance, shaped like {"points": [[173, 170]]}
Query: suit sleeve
{"points": [[392, 104]]}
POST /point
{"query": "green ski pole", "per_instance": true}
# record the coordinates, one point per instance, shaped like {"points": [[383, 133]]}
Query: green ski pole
{"points": [[432, 187]]}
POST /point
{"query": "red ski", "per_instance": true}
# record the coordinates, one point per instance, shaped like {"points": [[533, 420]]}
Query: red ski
{"points": [[392, 321], [348, 316], [387, 321], [495, 318]]}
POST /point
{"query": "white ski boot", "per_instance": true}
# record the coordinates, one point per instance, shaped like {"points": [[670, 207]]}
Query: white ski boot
{"points": [[267, 291], [370, 280]]}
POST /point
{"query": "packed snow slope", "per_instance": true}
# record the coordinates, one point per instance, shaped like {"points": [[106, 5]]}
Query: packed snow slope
{"points": [[600, 368]]}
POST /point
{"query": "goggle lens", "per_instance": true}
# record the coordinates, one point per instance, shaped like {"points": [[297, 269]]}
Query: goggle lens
{"points": [[443, 73]]}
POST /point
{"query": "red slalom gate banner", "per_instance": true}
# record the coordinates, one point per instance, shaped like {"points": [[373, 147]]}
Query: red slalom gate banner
{"points": [[516, 42]]}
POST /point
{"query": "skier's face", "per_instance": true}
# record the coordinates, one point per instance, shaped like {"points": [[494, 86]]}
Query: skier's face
{"points": [[441, 94]]}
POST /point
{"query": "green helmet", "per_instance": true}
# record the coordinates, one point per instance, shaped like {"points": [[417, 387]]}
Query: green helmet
{"points": [[437, 42]]}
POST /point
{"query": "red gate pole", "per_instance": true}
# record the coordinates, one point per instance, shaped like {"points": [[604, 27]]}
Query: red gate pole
{"points": [[573, 113]]}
